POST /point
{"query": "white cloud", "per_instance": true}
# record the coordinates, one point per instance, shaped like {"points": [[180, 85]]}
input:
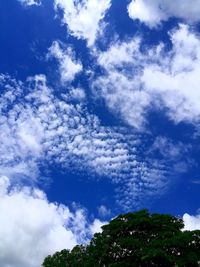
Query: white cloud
{"points": [[179, 72], [154, 12], [38, 127], [40, 227], [96, 226], [77, 94], [69, 67], [84, 18], [44, 124], [32, 228], [136, 82], [120, 85], [30, 2], [191, 222]]}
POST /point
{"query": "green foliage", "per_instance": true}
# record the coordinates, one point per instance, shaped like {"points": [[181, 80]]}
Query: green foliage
{"points": [[137, 239]]}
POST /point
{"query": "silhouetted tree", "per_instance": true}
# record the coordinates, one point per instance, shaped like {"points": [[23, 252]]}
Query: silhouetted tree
{"points": [[137, 239]]}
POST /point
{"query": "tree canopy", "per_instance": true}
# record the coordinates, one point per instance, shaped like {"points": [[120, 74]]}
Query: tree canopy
{"points": [[137, 239]]}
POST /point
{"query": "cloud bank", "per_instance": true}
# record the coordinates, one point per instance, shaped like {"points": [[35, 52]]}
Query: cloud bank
{"points": [[31, 227]]}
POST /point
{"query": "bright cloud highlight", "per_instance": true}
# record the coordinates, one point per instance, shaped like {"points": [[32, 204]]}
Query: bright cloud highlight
{"points": [[191, 222], [31, 227], [84, 18], [131, 84], [152, 13]]}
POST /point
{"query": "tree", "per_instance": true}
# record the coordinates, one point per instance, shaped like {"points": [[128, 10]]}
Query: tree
{"points": [[137, 239]]}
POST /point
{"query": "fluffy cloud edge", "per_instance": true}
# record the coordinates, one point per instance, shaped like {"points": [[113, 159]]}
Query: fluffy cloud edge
{"points": [[153, 13], [69, 67], [142, 90], [191, 222], [39, 227], [84, 19]]}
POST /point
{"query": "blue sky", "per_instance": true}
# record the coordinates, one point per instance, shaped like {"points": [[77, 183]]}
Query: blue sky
{"points": [[99, 116]]}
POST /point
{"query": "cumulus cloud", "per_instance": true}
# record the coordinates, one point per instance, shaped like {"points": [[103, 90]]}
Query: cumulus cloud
{"points": [[178, 71], [131, 82], [96, 226], [191, 222], [69, 67], [38, 227], [84, 19], [152, 13]]}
